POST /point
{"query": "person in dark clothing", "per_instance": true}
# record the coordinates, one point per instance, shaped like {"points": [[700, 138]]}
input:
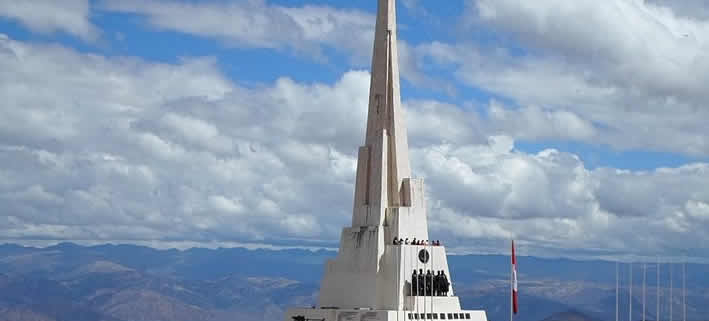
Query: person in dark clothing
{"points": [[396, 240], [446, 285], [414, 283], [414, 241], [429, 281], [422, 283], [437, 284], [406, 241]]}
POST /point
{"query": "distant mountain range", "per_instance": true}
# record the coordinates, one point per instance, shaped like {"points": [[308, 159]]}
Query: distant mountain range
{"points": [[134, 283]]}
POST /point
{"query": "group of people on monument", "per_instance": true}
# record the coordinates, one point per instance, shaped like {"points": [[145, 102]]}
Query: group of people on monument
{"points": [[429, 284], [401, 241]]}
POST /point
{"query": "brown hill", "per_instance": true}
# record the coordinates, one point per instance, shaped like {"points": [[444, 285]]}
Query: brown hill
{"points": [[571, 315]]}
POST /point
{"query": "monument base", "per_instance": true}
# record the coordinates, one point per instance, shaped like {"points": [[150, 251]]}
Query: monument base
{"points": [[320, 314]]}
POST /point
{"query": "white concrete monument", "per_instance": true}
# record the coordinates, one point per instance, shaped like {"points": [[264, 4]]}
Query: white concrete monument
{"points": [[371, 277]]}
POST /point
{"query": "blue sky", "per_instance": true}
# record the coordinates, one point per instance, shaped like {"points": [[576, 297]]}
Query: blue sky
{"points": [[559, 125]]}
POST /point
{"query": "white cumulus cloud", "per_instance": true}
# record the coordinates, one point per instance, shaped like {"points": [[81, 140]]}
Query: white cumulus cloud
{"points": [[122, 148], [48, 16], [257, 24]]}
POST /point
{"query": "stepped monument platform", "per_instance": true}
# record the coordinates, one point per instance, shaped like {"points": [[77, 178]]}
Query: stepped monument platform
{"points": [[371, 277]]}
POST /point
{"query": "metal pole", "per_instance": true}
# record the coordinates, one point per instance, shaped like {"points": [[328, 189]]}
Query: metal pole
{"points": [[657, 286], [616, 292], [684, 291], [630, 293], [644, 279], [511, 288], [671, 286]]}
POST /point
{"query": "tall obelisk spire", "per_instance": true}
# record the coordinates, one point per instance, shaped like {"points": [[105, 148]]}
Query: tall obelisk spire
{"points": [[383, 162], [388, 203], [384, 94]]}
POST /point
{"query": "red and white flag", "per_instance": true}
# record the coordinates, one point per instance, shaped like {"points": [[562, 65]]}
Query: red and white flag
{"points": [[514, 279]]}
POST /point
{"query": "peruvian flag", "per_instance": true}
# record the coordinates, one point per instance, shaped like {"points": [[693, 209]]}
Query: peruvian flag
{"points": [[514, 279]]}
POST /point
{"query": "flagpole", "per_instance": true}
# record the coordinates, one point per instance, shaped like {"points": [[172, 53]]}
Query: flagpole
{"points": [[511, 286], [630, 293], [657, 287], [684, 291], [616, 292], [644, 280]]}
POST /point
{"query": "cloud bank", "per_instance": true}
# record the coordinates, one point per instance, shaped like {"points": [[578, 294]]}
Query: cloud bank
{"points": [[97, 155], [103, 148]]}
